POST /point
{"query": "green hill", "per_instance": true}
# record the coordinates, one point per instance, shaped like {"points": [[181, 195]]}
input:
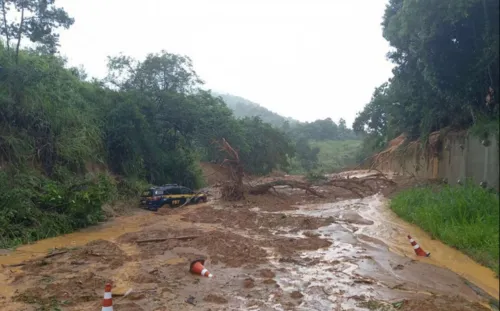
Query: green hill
{"points": [[245, 108], [322, 145]]}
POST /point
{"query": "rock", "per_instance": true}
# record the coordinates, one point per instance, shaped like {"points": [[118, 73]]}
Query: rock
{"points": [[296, 295], [248, 283], [267, 273]]}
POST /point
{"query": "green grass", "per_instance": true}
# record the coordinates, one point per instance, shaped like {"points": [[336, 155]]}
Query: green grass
{"points": [[464, 217], [335, 155]]}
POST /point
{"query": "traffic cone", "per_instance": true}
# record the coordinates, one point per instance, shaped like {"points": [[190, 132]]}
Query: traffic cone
{"points": [[418, 250], [198, 268], [107, 303]]}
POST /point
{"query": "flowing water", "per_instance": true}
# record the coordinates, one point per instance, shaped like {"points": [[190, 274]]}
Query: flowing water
{"points": [[377, 272], [365, 233]]}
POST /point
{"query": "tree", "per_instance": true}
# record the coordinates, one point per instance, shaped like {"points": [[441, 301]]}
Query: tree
{"points": [[307, 156], [447, 59], [39, 20], [160, 72]]}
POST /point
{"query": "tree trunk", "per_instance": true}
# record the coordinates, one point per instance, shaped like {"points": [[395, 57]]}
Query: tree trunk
{"points": [[4, 12], [19, 35], [263, 188], [232, 190]]}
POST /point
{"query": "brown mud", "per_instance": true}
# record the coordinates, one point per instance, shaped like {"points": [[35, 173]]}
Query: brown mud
{"points": [[285, 250]]}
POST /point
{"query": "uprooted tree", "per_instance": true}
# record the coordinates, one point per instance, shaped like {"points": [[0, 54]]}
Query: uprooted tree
{"points": [[234, 189]]}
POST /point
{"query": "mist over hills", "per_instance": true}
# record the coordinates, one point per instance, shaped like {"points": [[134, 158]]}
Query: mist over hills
{"points": [[243, 107]]}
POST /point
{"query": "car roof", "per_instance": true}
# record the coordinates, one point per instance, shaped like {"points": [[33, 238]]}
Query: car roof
{"points": [[167, 186], [170, 186]]}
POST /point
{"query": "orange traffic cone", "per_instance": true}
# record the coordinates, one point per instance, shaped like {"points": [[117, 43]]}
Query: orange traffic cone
{"points": [[107, 303], [418, 250], [198, 268]]}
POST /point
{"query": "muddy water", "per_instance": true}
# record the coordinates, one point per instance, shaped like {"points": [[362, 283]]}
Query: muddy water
{"points": [[107, 231], [378, 226], [357, 264], [393, 231]]}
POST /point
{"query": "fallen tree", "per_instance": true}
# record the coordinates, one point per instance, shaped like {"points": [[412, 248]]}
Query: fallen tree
{"points": [[263, 188], [233, 189], [361, 187]]}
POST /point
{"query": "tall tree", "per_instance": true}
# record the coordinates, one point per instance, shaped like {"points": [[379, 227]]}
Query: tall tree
{"points": [[447, 68], [38, 21]]}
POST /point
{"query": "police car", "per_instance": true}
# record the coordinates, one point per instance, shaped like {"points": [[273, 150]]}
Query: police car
{"points": [[172, 194]]}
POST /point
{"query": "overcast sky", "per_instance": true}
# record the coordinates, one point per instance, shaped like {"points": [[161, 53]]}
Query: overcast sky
{"points": [[305, 59]]}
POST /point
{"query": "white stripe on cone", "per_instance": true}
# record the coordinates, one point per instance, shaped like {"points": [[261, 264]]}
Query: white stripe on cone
{"points": [[107, 295], [107, 308], [416, 246]]}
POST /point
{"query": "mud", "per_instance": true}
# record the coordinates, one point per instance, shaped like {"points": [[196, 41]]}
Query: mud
{"points": [[255, 220], [442, 303], [280, 251]]}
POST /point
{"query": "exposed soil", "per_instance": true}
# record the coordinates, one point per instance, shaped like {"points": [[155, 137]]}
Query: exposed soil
{"points": [[269, 252], [246, 219], [442, 303], [215, 299]]}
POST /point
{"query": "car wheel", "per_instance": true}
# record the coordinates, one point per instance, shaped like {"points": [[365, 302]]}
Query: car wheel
{"points": [[200, 200]]}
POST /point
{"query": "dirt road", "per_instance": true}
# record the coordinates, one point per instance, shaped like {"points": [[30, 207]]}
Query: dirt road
{"points": [[281, 251]]}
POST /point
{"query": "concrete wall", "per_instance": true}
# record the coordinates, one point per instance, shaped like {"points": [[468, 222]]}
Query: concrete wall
{"points": [[460, 156]]}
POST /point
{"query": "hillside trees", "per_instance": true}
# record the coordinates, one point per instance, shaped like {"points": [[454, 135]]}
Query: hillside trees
{"points": [[69, 144], [447, 64], [38, 21], [182, 119]]}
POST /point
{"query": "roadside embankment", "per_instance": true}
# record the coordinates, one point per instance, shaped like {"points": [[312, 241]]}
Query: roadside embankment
{"points": [[465, 217]]}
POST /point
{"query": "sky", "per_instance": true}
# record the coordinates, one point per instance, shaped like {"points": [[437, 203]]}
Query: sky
{"points": [[305, 59]]}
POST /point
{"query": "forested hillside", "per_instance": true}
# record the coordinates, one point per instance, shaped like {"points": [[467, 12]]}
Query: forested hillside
{"points": [[326, 129], [245, 108], [314, 141], [69, 144], [446, 74]]}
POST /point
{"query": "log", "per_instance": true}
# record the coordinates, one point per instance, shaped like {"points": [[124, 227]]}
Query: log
{"points": [[55, 254], [15, 265], [187, 237], [44, 257], [264, 188]]}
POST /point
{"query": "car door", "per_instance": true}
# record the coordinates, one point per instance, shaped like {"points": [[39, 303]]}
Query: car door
{"points": [[175, 198], [187, 194]]}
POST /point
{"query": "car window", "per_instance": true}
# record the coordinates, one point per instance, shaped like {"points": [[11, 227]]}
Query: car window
{"points": [[185, 190], [173, 190]]}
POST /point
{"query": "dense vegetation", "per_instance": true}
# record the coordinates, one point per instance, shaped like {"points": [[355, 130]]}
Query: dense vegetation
{"points": [[332, 156], [69, 144], [465, 217], [313, 140], [446, 75]]}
